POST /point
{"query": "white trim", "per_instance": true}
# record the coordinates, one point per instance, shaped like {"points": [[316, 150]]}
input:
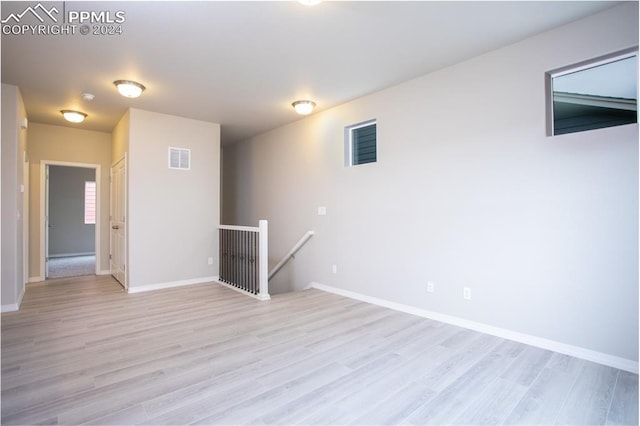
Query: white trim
{"points": [[9, 308], [98, 224], [12, 307], [552, 345], [71, 254], [43, 182], [42, 219], [263, 260], [159, 286], [595, 62], [26, 169], [261, 297], [348, 140], [104, 272], [20, 296], [36, 279], [240, 228]]}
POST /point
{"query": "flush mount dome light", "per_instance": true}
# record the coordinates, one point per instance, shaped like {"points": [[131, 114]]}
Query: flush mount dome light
{"points": [[73, 116], [304, 107], [129, 88]]}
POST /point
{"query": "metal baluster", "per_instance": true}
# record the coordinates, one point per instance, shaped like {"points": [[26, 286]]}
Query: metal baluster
{"points": [[244, 260], [256, 287], [221, 257]]}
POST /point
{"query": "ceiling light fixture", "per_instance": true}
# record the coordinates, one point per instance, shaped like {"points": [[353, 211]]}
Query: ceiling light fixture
{"points": [[129, 88], [73, 116], [309, 2], [304, 107]]}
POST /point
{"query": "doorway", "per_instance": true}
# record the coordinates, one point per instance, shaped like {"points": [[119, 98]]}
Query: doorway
{"points": [[70, 245]]}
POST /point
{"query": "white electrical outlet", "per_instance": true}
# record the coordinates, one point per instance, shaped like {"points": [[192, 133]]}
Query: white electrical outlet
{"points": [[334, 269], [431, 287], [210, 261], [466, 293], [322, 211]]}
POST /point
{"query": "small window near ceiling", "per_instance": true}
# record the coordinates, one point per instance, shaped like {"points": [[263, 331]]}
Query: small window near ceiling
{"points": [[361, 144], [594, 94], [89, 203]]}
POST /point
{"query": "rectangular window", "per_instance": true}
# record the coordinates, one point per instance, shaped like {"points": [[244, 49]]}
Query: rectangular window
{"points": [[89, 203], [361, 143], [594, 94]]}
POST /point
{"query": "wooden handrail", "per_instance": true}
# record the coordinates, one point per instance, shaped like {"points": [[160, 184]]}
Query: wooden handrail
{"points": [[291, 253]]}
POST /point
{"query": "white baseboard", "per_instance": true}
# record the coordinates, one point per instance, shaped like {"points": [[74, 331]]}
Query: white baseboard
{"points": [[552, 345], [36, 279], [21, 295], [104, 272], [239, 290], [72, 254], [12, 307], [158, 286]]}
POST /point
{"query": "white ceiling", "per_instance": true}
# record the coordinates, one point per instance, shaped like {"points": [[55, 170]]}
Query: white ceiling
{"points": [[241, 64]]}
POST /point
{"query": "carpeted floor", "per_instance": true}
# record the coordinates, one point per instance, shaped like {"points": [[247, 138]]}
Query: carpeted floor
{"points": [[62, 267]]}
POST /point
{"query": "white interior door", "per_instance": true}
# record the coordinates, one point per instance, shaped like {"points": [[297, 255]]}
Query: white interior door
{"points": [[118, 222]]}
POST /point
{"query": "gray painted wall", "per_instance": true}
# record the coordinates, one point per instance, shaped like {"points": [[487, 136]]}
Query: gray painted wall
{"points": [[467, 191], [172, 214], [68, 234], [66, 145], [13, 147]]}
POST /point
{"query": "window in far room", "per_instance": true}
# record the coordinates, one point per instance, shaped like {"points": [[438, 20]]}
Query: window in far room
{"points": [[89, 203], [594, 94]]}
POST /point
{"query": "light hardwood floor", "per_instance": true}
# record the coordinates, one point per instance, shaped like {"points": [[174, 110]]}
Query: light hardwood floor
{"points": [[82, 351]]}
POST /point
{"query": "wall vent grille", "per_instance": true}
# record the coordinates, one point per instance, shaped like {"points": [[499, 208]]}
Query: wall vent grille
{"points": [[179, 158]]}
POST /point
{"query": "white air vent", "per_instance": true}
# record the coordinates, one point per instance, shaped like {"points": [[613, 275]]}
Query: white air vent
{"points": [[179, 158]]}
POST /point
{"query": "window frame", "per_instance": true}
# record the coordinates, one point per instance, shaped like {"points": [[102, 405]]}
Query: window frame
{"points": [[349, 160], [577, 67]]}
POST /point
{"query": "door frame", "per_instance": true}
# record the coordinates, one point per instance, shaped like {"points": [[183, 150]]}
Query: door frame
{"points": [[26, 193], [44, 202]]}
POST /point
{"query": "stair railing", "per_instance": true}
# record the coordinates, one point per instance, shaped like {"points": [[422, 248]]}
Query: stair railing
{"points": [[244, 259], [291, 254]]}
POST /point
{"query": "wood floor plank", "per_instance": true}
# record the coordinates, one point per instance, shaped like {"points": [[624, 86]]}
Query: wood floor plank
{"points": [[454, 367], [325, 397], [624, 406], [527, 366], [589, 399], [276, 395], [462, 392], [83, 351], [395, 408], [543, 401], [493, 405]]}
